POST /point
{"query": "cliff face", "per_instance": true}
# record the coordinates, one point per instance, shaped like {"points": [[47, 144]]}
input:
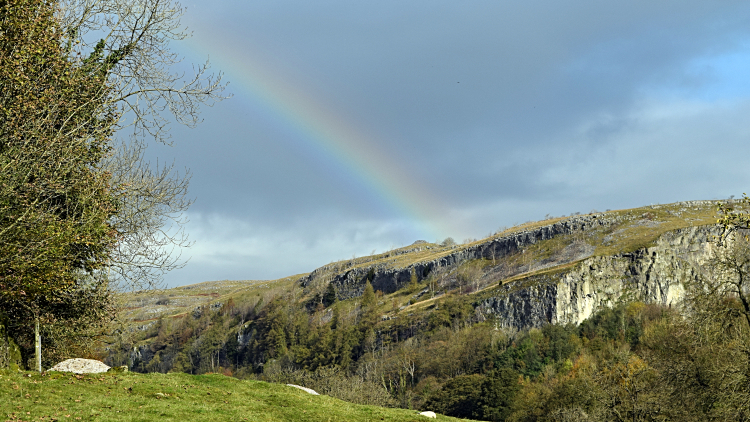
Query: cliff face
{"points": [[580, 275], [652, 275], [351, 283]]}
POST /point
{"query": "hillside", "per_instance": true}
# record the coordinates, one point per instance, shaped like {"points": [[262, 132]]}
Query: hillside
{"points": [[148, 305], [404, 327], [486, 268]]}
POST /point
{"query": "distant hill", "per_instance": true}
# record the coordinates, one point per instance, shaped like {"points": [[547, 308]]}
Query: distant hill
{"points": [[434, 312]]}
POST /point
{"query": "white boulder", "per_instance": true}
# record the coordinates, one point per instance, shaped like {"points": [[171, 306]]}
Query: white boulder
{"points": [[81, 366]]}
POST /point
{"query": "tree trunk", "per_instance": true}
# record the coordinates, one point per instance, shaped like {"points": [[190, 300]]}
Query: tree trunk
{"points": [[38, 345]]}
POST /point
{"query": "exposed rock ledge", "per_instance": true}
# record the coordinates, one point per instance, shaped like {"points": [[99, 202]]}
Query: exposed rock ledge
{"points": [[383, 277], [653, 275], [351, 283]]}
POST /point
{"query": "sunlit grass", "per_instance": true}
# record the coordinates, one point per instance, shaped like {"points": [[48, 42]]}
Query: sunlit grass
{"points": [[143, 306], [58, 396]]}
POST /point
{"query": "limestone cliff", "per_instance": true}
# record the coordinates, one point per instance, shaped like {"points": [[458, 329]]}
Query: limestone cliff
{"points": [[599, 274], [653, 275], [350, 283], [560, 272]]}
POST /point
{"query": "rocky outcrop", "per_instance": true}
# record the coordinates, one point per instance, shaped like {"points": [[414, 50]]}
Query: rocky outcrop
{"points": [[572, 294], [140, 355], [653, 275], [81, 366], [351, 283]]}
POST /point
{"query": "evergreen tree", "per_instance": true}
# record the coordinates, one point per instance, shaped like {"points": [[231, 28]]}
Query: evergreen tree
{"points": [[369, 309], [329, 297], [460, 397], [413, 282], [498, 393]]}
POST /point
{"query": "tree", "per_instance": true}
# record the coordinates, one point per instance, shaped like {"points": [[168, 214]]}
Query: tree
{"points": [[721, 291], [630, 389], [56, 201], [369, 308], [329, 297], [734, 215], [460, 397], [498, 393], [89, 212], [704, 357], [133, 37], [413, 282], [448, 242]]}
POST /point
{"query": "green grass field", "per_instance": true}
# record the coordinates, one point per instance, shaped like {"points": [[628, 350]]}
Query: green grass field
{"points": [[56, 396]]}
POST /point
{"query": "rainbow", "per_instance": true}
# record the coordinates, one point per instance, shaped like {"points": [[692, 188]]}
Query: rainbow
{"points": [[323, 133]]}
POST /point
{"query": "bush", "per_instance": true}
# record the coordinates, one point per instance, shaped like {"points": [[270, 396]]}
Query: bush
{"points": [[460, 397]]}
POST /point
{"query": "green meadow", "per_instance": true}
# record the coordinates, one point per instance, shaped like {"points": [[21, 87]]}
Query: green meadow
{"points": [[55, 396]]}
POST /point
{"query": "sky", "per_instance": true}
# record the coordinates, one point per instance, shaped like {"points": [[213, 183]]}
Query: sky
{"points": [[358, 127]]}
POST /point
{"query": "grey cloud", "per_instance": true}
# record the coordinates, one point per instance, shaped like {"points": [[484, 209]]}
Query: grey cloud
{"points": [[234, 248], [506, 110]]}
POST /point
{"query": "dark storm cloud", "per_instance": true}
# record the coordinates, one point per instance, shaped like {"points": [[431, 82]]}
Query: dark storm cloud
{"points": [[507, 110]]}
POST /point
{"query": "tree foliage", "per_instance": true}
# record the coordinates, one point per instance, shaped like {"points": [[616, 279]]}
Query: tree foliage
{"points": [[82, 213], [733, 215], [461, 397], [56, 202], [704, 358], [133, 38]]}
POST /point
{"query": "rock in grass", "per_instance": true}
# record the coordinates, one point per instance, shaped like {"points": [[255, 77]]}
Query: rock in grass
{"points": [[81, 366], [429, 414], [309, 390]]}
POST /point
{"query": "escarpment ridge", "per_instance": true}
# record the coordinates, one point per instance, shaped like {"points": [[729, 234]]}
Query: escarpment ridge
{"points": [[391, 272], [656, 236], [560, 270], [652, 275]]}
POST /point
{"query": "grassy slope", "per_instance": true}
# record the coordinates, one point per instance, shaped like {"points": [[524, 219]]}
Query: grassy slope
{"points": [[638, 227], [173, 397], [142, 306]]}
